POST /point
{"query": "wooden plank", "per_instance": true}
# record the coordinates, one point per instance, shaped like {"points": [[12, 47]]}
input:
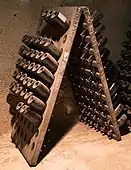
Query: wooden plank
{"points": [[27, 139], [90, 28]]}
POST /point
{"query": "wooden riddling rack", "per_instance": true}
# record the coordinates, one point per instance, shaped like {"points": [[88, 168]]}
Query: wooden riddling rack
{"points": [[31, 118], [89, 82], [29, 126]]}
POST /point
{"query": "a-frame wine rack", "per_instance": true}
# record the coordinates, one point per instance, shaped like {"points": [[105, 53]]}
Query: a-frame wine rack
{"points": [[30, 146], [90, 85], [113, 125], [30, 140]]}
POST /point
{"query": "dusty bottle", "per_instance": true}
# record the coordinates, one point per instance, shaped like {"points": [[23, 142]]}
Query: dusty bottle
{"points": [[119, 98], [122, 120], [127, 55], [127, 44], [123, 75], [56, 19]]}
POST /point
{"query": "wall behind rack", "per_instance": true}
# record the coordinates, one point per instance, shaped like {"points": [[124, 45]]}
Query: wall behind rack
{"points": [[116, 19]]}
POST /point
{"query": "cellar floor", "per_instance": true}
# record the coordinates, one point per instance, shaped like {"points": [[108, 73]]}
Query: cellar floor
{"points": [[81, 149]]}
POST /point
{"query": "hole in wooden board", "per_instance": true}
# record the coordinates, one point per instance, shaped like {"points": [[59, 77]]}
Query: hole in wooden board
{"points": [[16, 124], [69, 23], [18, 129], [25, 122], [21, 118], [25, 137], [21, 134], [61, 49], [17, 116], [41, 21], [28, 125], [37, 132], [28, 141], [13, 120], [64, 38], [32, 128], [16, 142], [33, 145]]}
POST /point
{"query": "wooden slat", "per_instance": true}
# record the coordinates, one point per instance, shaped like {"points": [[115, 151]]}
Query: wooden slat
{"points": [[90, 28], [31, 146]]}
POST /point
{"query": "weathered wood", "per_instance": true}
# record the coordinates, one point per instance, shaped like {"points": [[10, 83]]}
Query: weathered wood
{"points": [[31, 146], [96, 52]]}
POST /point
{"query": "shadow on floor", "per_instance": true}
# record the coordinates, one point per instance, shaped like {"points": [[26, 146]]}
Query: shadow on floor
{"points": [[53, 137], [65, 115]]}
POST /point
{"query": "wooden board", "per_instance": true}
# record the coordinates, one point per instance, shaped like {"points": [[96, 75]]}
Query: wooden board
{"points": [[28, 139], [111, 110]]}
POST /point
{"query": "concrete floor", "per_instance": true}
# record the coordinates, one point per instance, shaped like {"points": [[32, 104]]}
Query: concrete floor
{"points": [[81, 148]]}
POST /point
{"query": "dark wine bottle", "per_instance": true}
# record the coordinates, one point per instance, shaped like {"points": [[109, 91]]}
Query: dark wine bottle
{"points": [[48, 29], [45, 75], [123, 64], [127, 55], [81, 105], [42, 91], [91, 62], [123, 75], [119, 62], [128, 77], [114, 88], [126, 99], [129, 68], [126, 87], [119, 109], [49, 62], [57, 19], [122, 120], [127, 45], [123, 53], [119, 98]]}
